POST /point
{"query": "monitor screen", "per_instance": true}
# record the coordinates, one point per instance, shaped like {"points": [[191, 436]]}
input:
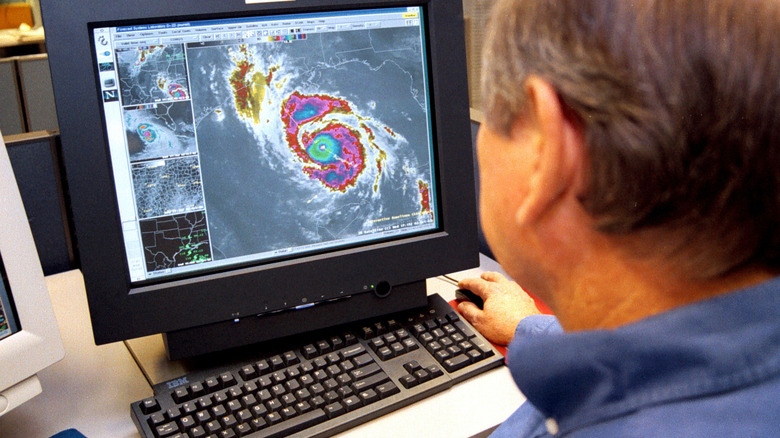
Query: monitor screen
{"points": [[8, 320], [234, 159], [244, 140]]}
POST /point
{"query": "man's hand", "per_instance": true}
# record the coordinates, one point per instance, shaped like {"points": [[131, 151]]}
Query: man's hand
{"points": [[506, 303]]}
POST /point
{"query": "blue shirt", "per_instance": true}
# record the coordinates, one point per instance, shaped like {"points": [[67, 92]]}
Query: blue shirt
{"points": [[711, 368]]}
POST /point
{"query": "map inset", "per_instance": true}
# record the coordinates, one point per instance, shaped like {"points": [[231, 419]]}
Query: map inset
{"points": [[175, 241], [327, 138], [159, 130], [152, 74], [166, 187]]}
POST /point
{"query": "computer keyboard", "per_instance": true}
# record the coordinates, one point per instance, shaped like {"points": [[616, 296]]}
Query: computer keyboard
{"points": [[323, 383]]}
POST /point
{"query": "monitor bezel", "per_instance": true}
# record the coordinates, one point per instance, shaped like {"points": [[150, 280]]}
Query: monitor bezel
{"points": [[37, 344], [121, 310]]}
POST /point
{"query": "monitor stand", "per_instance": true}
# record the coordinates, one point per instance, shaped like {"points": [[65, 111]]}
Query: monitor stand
{"points": [[19, 393], [164, 357]]}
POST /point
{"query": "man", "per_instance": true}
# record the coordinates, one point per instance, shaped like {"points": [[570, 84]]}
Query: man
{"points": [[630, 178]]}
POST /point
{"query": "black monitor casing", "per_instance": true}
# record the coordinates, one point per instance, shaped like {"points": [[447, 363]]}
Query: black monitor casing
{"points": [[221, 305]]}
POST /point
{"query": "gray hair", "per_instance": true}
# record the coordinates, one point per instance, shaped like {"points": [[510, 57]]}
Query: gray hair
{"points": [[678, 101]]}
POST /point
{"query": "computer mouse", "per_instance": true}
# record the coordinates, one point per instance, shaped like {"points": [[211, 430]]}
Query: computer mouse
{"points": [[467, 295]]}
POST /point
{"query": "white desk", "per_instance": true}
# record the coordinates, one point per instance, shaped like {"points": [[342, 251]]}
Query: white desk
{"points": [[92, 388]]}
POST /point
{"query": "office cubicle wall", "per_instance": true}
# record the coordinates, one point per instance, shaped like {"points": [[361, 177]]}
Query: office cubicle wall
{"points": [[475, 14], [26, 95], [11, 115], [35, 158], [37, 93]]}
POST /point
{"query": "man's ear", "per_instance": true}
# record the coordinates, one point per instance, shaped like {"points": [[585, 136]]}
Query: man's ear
{"points": [[558, 151]]}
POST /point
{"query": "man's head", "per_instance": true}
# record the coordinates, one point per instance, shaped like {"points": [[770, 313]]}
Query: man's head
{"points": [[677, 105]]}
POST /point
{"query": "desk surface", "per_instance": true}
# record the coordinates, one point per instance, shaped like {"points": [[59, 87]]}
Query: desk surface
{"points": [[92, 388]]}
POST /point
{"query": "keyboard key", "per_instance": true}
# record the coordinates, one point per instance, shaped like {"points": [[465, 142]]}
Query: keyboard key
{"points": [[422, 376], [296, 424], [386, 389], [435, 371], [243, 429], [474, 354], [409, 381], [412, 366], [258, 424], [376, 343], [212, 427], [456, 363], [273, 405], [204, 402], [290, 358], [189, 407], [352, 402], [365, 371], [369, 382], [264, 382], [248, 372], [181, 395], [288, 412], [380, 328], [197, 432], [228, 421], [464, 329], [230, 433], [302, 407], [244, 416], [157, 418], [203, 416], [324, 347], [150, 405], [235, 392], [409, 344], [273, 418], [397, 348], [276, 362], [263, 367], [233, 406], [362, 360], [186, 422], [335, 409], [309, 351], [227, 379], [167, 429], [369, 396], [219, 411]]}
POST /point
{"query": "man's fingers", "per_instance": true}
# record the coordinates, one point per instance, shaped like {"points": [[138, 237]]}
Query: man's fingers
{"points": [[469, 310], [476, 285], [493, 276]]}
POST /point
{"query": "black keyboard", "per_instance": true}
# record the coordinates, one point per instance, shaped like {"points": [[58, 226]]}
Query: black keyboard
{"points": [[323, 383]]}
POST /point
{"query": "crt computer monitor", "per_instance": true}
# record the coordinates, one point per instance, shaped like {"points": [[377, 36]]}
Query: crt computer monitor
{"points": [[242, 170], [29, 336]]}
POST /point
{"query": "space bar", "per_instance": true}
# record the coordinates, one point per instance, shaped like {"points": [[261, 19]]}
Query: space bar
{"points": [[295, 424]]}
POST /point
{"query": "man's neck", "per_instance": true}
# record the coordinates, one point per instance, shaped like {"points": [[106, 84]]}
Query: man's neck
{"points": [[598, 301]]}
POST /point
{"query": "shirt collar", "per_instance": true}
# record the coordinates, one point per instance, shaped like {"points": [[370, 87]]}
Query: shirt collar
{"points": [[720, 344]]}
